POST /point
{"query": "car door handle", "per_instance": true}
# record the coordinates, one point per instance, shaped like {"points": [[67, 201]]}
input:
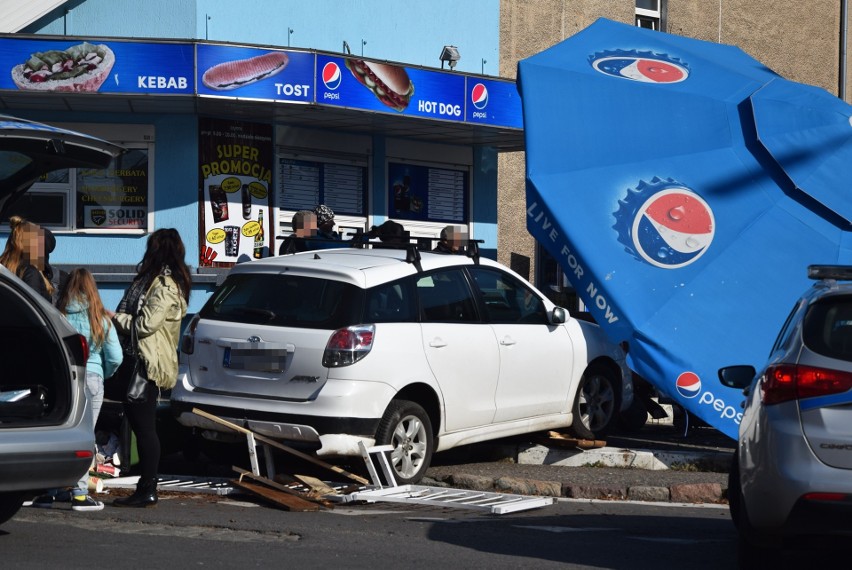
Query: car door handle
{"points": [[507, 341], [437, 342]]}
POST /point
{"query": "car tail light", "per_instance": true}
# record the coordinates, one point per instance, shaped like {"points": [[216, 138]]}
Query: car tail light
{"points": [[827, 497], [786, 382], [187, 340], [84, 453], [79, 348], [348, 346]]}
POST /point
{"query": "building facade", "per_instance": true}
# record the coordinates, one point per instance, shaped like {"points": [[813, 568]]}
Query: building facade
{"points": [[236, 116]]}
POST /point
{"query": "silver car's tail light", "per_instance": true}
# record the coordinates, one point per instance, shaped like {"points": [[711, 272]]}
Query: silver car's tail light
{"points": [[786, 382], [79, 349], [187, 341], [348, 346]]}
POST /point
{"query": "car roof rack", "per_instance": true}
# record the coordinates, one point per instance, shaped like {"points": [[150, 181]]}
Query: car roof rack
{"points": [[836, 272]]}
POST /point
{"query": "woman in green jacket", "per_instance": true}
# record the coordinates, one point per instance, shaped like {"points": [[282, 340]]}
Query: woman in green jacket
{"points": [[156, 302]]}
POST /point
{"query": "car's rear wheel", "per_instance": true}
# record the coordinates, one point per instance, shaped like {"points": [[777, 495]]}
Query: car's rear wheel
{"points": [[597, 403], [10, 503], [407, 428]]}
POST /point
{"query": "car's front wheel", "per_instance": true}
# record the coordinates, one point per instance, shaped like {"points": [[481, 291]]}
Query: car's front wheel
{"points": [[406, 427], [597, 403]]}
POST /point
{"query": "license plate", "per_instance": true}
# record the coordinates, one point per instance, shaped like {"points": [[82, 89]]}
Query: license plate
{"points": [[255, 360]]}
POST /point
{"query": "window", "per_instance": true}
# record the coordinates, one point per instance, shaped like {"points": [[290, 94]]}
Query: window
{"points": [[285, 301], [649, 14], [114, 199], [446, 298], [390, 303], [427, 194], [506, 299]]}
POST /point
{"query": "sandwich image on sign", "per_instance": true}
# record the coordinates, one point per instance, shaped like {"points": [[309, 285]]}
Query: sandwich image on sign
{"points": [[389, 83], [79, 68], [240, 72]]}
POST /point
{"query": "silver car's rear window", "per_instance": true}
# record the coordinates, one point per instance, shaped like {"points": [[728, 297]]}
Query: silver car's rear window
{"points": [[828, 327], [286, 301]]}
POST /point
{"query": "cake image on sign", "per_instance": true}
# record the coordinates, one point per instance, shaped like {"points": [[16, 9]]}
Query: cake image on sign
{"points": [[79, 68], [389, 83], [240, 72]]}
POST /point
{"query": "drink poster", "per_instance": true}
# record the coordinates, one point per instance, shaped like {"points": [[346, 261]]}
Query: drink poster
{"points": [[236, 161]]}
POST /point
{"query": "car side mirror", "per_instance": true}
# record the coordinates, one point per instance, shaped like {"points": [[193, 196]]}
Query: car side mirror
{"points": [[739, 376], [558, 316]]}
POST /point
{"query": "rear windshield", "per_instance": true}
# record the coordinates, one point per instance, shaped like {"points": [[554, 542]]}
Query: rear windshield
{"points": [[828, 327], [285, 300]]}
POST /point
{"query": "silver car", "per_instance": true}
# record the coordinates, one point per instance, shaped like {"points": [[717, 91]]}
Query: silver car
{"points": [[46, 432], [792, 471]]}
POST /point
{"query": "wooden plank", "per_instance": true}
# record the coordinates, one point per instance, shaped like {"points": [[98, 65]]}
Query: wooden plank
{"points": [[288, 502], [281, 446], [280, 487], [316, 485], [557, 437]]}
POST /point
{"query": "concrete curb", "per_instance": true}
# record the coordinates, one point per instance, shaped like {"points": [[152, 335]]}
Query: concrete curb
{"points": [[716, 461]]}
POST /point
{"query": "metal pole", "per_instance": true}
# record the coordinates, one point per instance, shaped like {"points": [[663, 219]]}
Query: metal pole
{"points": [[844, 26]]}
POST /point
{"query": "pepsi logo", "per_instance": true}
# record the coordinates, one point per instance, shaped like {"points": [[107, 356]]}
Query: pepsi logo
{"points": [[688, 384], [331, 76], [644, 69], [673, 228], [479, 96]]}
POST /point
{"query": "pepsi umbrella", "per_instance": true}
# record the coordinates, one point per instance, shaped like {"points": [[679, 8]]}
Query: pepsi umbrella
{"points": [[685, 187]]}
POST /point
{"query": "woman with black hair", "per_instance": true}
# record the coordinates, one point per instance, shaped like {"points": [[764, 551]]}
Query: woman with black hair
{"points": [[154, 303]]}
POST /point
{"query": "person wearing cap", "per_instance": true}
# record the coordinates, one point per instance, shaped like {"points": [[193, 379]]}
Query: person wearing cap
{"points": [[325, 235], [452, 238]]}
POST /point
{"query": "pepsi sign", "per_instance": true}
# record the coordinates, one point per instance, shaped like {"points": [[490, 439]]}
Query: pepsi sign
{"points": [[493, 103], [666, 224], [645, 67]]}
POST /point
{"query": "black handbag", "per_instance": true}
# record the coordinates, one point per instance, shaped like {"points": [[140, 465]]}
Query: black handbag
{"points": [[131, 373]]}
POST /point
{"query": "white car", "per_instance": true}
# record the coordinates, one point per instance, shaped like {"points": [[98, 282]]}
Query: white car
{"points": [[422, 351]]}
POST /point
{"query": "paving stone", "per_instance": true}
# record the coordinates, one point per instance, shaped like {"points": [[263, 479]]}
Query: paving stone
{"points": [[473, 482], [696, 493], [593, 492], [528, 487], [647, 493]]}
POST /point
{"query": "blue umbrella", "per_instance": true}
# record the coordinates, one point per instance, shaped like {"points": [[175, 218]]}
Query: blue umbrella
{"points": [[678, 201]]}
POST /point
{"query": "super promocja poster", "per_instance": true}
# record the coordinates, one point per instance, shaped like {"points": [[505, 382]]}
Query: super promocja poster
{"points": [[236, 174]]}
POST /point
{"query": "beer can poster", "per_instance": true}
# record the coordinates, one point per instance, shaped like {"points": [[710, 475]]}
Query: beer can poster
{"points": [[236, 174]]}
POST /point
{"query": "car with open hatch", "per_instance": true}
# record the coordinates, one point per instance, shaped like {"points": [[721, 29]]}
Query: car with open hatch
{"points": [[421, 351], [791, 475], [46, 432]]}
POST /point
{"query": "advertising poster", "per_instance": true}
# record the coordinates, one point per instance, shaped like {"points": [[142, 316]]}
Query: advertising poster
{"points": [[80, 66], [389, 88], [236, 175], [427, 194], [252, 73]]}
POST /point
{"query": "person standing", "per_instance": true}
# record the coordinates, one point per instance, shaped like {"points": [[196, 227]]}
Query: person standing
{"points": [[326, 235], [24, 255], [452, 240], [81, 304], [304, 228], [154, 303], [57, 277]]}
